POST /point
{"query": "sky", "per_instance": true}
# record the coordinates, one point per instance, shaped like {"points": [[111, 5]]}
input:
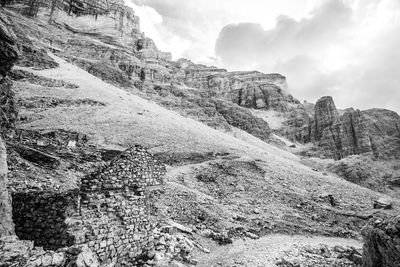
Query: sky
{"points": [[348, 49]]}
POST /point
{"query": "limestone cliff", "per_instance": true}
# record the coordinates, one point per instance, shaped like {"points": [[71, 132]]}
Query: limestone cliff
{"points": [[251, 89], [325, 114], [354, 132]]}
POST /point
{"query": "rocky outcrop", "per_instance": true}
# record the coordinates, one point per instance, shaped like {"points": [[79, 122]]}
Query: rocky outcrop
{"points": [[325, 114], [355, 132], [8, 114], [8, 56], [250, 89], [6, 224], [359, 132], [349, 136], [382, 243], [243, 119]]}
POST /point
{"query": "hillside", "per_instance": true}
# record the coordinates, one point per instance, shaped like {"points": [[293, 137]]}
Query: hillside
{"points": [[244, 159]]}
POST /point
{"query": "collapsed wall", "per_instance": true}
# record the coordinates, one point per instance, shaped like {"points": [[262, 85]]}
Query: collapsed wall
{"points": [[109, 213], [41, 217]]}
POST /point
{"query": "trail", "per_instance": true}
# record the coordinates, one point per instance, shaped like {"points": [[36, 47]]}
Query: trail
{"points": [[268, 250]]}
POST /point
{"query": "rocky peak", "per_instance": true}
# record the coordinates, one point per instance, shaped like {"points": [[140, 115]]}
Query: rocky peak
{"points": [[325, 114]]}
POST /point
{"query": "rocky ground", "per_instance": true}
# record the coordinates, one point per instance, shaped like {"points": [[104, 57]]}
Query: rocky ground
{"points": [[251, 180]]}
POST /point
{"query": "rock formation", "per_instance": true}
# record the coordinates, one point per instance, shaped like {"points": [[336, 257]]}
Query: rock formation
{"points": [[382, 243], [325, 114], [354, 132], [8, 55], [6, 224]]}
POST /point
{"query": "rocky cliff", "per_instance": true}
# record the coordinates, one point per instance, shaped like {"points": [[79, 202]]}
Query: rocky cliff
{"points": [[354, 132]]}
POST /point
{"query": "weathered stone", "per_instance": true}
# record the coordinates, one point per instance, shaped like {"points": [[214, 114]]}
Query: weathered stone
{"points": [[382, 243], [325, 114], [383, 203], [6, 224]]}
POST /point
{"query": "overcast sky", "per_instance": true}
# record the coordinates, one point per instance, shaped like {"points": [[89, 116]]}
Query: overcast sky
{"points": [[349, 49]]}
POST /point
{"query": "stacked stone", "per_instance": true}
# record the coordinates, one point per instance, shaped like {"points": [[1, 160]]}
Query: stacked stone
{"points": [[14, 252], [134, 169], [114, 210], [40, 217], [382, 242], [174, 246]]}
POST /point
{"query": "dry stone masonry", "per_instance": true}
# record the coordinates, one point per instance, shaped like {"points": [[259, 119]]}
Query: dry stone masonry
{"points": [[108, 214]]}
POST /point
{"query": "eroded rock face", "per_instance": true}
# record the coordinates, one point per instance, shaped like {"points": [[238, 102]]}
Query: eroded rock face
{"points": [[382, 243], [325, 114], [359, 132], [250, 89], [8, 55], [349, 136]]}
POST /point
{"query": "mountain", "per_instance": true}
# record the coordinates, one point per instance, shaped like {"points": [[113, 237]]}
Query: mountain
{"points": [[244, 158]]}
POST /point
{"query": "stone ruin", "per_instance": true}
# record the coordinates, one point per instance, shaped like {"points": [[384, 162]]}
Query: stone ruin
{"points": [[109, 214]]}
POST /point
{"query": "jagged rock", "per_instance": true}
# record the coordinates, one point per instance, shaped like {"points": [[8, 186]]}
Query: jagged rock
{"points": [[382, 242], [347, 137], [359, 132], [325, 114]]}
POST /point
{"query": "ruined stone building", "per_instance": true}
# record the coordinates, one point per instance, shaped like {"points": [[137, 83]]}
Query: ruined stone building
{"points": [[109, 212]]}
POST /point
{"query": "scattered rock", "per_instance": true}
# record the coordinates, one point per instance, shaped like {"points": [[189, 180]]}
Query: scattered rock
{"points": [[383, 203]]}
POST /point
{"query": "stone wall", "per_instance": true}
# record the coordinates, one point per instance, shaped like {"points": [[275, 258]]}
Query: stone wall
{"points": [[114, 208], [109, 213], [41, 217]]}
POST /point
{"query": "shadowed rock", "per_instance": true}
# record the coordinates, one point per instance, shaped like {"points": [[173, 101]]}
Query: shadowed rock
{"points": [[382, 243]]}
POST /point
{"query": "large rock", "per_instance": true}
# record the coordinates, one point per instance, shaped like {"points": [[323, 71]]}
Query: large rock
{"points": [[348, 136], [325, 114], [8, 55], [359, 132], [382, 243], [6, 224]]}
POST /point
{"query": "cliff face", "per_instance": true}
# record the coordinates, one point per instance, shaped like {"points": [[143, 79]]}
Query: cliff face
{"points": [[325, 114], [8, 55], [355, 132], [250, 89]]}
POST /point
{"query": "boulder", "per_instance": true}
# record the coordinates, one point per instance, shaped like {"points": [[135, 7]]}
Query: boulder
{"points": [[382, 242], [383, 203]]}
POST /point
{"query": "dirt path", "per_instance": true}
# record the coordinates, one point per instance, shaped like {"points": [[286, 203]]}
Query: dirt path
{"points": [[268, 250]]}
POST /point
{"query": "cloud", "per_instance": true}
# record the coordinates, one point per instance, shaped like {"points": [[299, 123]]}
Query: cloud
{"points": [[189, 27], [346, 49]]}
